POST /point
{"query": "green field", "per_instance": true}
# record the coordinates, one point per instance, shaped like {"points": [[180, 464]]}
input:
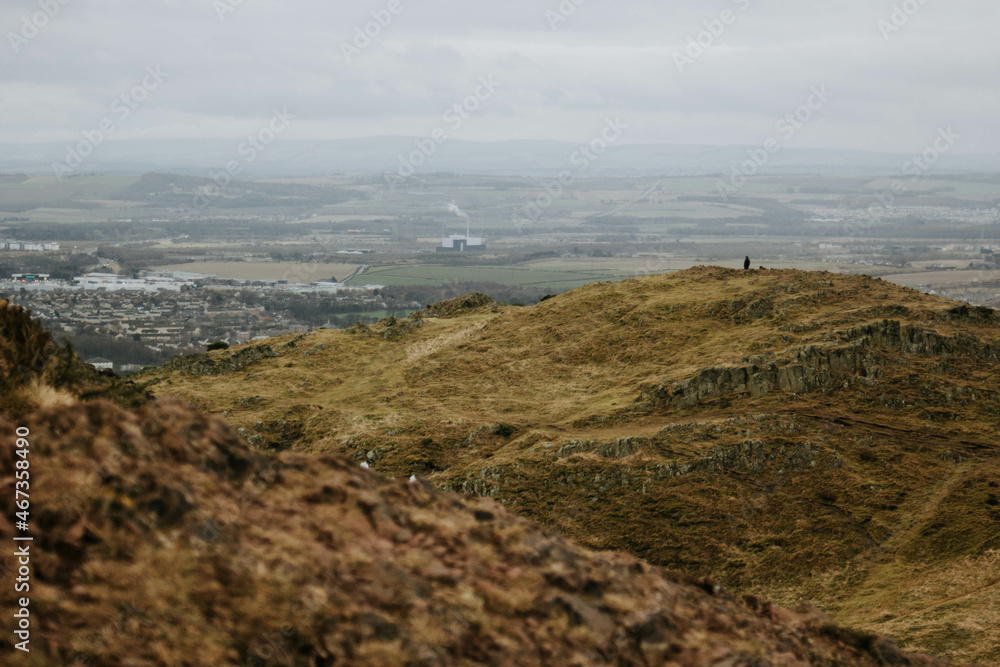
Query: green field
{"points": [[519, 276], [296, 272]]}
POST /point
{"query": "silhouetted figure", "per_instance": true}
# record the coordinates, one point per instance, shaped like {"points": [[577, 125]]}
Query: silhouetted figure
{"points": [[746, 263]]}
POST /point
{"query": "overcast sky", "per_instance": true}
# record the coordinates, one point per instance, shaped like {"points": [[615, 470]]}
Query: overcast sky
{"points": [[228, 63]]}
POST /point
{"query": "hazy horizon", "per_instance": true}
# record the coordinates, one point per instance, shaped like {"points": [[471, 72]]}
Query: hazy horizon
{"points": [[407, 156]]}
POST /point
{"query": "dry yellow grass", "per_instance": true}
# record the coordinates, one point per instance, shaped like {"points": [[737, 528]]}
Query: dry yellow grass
{"points": [[850, 493]]}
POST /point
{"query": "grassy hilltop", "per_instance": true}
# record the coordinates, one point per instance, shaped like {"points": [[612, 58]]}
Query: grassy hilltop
{"points": [[797, 435], [161, 537]]}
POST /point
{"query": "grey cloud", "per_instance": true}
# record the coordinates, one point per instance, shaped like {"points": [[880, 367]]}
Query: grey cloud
{"points": [[606, 58]]}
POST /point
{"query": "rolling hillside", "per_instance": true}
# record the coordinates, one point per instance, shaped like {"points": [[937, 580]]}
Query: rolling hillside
{"points": [[160, 537], [802, 436]]}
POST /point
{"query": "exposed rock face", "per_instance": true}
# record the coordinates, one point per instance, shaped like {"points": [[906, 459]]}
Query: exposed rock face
{"points": [[163, 539], [752, 456], [388, 328], [616, 449], [813, 366], [460, 306], [225, 364]]}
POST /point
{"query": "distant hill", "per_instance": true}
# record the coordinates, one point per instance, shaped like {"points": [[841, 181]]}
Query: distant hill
{"points": [[179, 191], [376, 155], [803, 436], [160, 537]]}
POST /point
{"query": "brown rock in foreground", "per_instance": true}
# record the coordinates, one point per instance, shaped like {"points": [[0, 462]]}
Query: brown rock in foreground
{"points": [[161, 538]]}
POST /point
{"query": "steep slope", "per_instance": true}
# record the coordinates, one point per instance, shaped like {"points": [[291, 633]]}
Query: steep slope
{"points": [[159, 537], [798, 435]]}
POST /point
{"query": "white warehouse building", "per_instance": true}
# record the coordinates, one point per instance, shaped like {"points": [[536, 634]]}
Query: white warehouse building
{"points": [[114, 283], [461, 243]]}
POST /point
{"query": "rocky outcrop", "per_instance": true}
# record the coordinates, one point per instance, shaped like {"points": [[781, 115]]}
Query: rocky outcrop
{"points": [[388, 328], [973, 314], [460, 306], [226, 364], [910, 339], [813, 366], [488, 482], [753, 456], [618, 448], [275, 434]]}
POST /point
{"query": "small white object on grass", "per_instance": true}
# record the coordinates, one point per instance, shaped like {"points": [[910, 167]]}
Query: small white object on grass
{"points": [[364, 465], [413, 478]]}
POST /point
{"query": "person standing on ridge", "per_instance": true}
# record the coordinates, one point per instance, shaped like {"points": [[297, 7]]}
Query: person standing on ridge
{"points": [[746, 263]]}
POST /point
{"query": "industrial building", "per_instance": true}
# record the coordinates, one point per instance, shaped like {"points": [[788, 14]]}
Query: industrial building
{"points": [[114, 283], [460, 243], [28, 246], [30, 277]]}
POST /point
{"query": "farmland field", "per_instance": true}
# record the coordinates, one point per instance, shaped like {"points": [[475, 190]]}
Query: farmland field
{"points": [[943, 278], [296, 272], [523, 276]]}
